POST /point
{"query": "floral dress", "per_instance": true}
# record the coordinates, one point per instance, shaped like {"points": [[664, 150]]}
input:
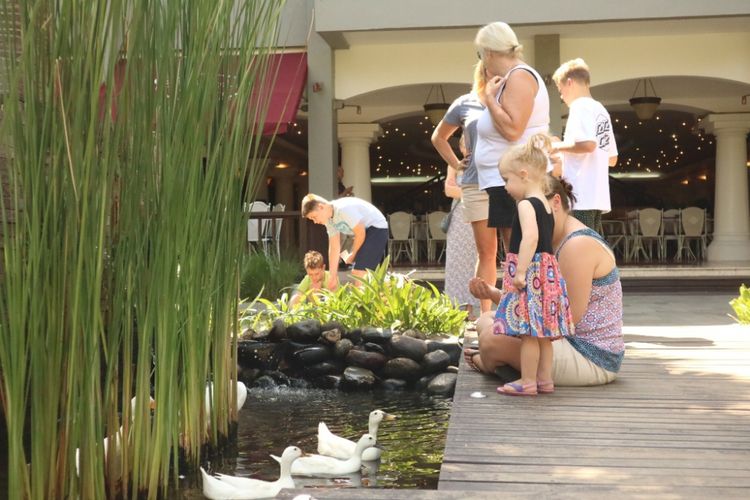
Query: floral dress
{"points": [[542, 308]]}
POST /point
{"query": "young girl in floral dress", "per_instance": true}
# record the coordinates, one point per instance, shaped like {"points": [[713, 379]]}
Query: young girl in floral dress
{"points": [[534, 305]]}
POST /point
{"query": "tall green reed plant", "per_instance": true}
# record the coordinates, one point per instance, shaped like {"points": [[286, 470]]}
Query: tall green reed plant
{"points": [[127, 130]]}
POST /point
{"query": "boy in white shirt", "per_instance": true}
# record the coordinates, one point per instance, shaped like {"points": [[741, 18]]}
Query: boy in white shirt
{"points": [[588, 144]]}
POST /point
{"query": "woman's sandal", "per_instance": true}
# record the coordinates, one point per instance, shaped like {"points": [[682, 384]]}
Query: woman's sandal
{"points": [[545, 386], [516, 389]]}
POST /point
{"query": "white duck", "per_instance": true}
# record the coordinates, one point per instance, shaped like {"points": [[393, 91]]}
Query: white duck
{"points": [[241, 396], [117, 436], [317, 465], [336, 446], [236, 488]]}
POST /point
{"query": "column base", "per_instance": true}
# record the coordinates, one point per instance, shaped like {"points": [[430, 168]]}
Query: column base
{"points": [[729, 248]]}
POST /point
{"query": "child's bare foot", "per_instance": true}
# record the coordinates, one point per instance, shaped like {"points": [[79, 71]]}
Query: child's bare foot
{"points": [[474, 360]]}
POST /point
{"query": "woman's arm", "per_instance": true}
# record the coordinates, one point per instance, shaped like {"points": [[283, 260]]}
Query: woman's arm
{"points": [[450, 186], [530, 231], [440, 137], [512, 117]]}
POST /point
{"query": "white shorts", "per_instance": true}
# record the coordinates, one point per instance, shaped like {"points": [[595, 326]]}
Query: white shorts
{"points": [[571, 368]]}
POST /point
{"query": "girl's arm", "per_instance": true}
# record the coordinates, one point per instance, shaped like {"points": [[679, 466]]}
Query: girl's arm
{"points": [[512, 117], [529, 240]]}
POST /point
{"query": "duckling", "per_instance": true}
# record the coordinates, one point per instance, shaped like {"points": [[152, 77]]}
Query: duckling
{"points": [[316, 465], [236, 488], [338, 447]]}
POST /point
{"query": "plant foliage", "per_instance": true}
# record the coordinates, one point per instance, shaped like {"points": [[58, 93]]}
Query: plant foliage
{"points": [[269, 275], [741, 305], [382, 299], [126, 130]]}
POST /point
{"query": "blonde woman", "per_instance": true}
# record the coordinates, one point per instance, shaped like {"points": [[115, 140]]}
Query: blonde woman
{"points": [[517, 108]]}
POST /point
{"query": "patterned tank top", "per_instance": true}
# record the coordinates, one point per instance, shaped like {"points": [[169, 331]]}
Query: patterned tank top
{"points": [[599, 332]]}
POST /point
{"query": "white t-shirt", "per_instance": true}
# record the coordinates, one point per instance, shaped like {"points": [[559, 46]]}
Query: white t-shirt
{"points": [[491, 145], [350, 211], [588, 173]]}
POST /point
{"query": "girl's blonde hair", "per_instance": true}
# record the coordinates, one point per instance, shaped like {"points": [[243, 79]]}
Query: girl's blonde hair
{"points": [[310, 202], [533, 155]]}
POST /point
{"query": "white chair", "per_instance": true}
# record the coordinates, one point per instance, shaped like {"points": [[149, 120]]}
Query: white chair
{"points": [[671, 230], [615, 232], [693, 225], [256, 228], [272, 233], [648, 230], [401, 240], [435, 235]]}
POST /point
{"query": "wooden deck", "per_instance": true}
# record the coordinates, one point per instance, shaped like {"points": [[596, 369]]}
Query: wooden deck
{"points": [[675, 424]]}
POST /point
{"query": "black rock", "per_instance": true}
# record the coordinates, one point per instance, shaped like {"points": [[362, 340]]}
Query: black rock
{"points": [[449, 345], [403, 368], [422, 383], [414, 334], [299, 383], [330, 336], [366, 359], [393, 384], [306, 332], [262, 355], [408, 347], [378, 335], [279, 377], [355, 335], [324, 368], [342, 348], [357, 378], [435, 361], [248, 375], [311, 355], [373, 347], [333, 325], [277, 332], [327, 382], [451, 369], [444, 384], [265, 382]]}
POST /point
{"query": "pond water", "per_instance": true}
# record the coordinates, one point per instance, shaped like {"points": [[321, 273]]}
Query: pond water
{"points": [[275, 418]]}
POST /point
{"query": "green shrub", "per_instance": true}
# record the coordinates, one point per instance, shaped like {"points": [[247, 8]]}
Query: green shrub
{"points": [[382, 300], [741, 305], [269, 275]]}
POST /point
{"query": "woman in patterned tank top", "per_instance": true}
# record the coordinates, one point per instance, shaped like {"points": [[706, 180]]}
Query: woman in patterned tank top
{"points": [[594, 355]]}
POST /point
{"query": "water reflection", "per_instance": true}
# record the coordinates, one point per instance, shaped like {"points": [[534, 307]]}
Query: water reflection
{"points": [[273, 419]]}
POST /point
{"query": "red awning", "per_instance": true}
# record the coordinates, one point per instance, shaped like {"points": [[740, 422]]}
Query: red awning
{"points": [[286, 77]]}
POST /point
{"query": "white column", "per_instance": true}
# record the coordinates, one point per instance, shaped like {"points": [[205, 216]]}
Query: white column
{"points": [[731, 240], [355, 139]]}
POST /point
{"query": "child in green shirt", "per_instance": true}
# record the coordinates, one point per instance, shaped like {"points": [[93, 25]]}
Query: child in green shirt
{"points": [[316, 279]]}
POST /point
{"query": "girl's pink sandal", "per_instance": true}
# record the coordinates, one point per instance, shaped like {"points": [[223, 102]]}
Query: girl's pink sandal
{"points": [[516, 389]]}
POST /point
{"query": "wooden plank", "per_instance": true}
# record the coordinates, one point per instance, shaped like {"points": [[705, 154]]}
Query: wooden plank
{"points": [[675, 423]]}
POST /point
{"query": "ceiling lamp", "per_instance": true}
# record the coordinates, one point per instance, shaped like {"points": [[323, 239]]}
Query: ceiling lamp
{"points": [[645, 105], [435, 110]]}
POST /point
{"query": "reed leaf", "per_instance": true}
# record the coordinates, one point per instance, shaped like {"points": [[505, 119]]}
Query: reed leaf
{"points": [[127, 131]]}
